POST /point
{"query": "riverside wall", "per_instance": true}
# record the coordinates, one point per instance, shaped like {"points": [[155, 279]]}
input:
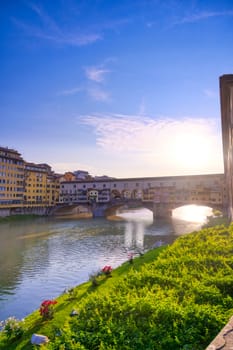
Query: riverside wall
{"points": [[40, 211]]}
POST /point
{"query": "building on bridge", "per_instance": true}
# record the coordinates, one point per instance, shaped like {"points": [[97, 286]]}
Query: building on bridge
{"points": [[174, 191], [226, 98]]}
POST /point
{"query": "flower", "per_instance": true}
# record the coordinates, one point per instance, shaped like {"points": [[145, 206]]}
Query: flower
{"points": [[46, 308], [130, 257], [12, 327], [107, 269]]}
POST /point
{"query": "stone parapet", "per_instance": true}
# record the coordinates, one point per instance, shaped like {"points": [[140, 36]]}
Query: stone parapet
{"points": [[224, 340]]}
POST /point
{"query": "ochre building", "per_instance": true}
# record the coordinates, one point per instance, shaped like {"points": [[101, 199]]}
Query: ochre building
{"points": [[11, 178]]}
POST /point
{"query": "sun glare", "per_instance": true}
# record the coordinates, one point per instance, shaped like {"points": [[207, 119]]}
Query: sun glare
{"points": [[191, 151], [192, 213]]}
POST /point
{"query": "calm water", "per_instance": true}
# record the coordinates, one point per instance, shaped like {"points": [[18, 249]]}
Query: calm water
{"points": [[39, 259]]}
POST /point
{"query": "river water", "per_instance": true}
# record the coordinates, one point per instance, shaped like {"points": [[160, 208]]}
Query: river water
{"points": [[40, 258]]}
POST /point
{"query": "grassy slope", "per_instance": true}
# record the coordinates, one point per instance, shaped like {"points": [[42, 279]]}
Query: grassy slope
{"points": [[173, 298]]}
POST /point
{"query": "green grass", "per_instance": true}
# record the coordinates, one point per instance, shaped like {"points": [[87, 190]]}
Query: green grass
{"points": [[216, 221], [176, 297]]}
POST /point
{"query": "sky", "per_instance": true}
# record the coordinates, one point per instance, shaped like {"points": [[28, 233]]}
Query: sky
{"points": [[126, 88]]}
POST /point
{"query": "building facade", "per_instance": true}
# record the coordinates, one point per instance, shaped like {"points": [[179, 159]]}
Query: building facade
{"points": [[11, 178], [226, 102], [202, 189], [35, 193], [25, 185]]}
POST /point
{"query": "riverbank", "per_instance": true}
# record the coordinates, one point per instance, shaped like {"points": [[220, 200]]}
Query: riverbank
{"points": [[174, 297], [19, 217]]}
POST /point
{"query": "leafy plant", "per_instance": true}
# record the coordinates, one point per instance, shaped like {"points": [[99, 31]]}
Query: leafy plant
{"points": [[107, 270], [46, 309], [13, 328]]}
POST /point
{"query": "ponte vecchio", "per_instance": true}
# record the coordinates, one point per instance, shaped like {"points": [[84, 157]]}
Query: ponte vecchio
{"points": [[159, 194]]}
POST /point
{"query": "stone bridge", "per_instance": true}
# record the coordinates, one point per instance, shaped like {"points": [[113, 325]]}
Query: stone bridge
{"points": [[159, 194], [95, 209]]}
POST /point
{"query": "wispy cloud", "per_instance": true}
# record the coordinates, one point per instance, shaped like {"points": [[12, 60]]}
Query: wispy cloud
{"points": [[199, 16], [50, 31], [210, 93], [98, 94], [188, 145], [142, 107], [69, 92], [96, 74]]}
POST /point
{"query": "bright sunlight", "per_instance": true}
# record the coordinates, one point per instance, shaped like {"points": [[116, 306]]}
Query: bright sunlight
{"points": [[192, 213], [193, 150]]}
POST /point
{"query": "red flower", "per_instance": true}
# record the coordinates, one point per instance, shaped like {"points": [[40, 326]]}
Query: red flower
{"points": [[48, 302], [46, 308], [107, 269]]}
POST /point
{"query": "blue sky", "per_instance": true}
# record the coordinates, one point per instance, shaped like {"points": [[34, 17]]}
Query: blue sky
{"points": [[123, 88]]}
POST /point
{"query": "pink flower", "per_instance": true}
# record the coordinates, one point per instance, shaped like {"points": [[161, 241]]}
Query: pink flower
{"points": [[107, 269]]}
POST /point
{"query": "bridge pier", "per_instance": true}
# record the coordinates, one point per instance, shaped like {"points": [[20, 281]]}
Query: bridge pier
{"points": [[161, 211]]}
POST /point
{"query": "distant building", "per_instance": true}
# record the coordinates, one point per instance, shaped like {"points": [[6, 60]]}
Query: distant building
{"points": [[11, 178], [103, 177], [36, 184], [226, 100], [81, 174], [68, 176], [24, 184], [53, 188]]}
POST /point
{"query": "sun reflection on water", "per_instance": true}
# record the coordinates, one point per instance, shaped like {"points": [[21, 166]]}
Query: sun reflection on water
{"points": [[192, 213]]}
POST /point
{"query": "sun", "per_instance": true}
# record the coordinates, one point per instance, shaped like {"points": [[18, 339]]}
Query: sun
{"points": [[191, 151]]}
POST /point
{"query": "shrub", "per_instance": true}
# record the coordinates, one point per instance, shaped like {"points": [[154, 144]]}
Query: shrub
{"points": [[13, 328], [46, 309]]}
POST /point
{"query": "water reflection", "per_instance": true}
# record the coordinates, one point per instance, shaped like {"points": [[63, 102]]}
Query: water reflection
{"points": [[40, 258], [190, 218], [193, 213], [134, 235]]}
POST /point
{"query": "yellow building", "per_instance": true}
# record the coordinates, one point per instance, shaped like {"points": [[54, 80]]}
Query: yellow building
{"points": [[11, 178], [53, 189], [36, 184]]}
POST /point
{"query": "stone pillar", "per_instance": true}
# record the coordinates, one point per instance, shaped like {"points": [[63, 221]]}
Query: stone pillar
{"points": [[161, 210], [226, 102], [154, 211]]}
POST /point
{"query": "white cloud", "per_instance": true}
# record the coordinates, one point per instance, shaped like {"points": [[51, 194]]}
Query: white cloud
{"points": [[164, 146], [50, 31], [210, 93], [98, 94], [96, 74], [196, 17], [142, 107]]}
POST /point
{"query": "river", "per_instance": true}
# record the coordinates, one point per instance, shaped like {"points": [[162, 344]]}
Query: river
{"points": [[40, 258]]}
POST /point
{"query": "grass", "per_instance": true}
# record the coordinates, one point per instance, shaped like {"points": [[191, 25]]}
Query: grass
{"points": [[176, 297], [33, 323]]}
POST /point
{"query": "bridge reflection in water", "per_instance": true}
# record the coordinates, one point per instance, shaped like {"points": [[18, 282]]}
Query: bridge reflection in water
{"points": [[184, 220]]}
